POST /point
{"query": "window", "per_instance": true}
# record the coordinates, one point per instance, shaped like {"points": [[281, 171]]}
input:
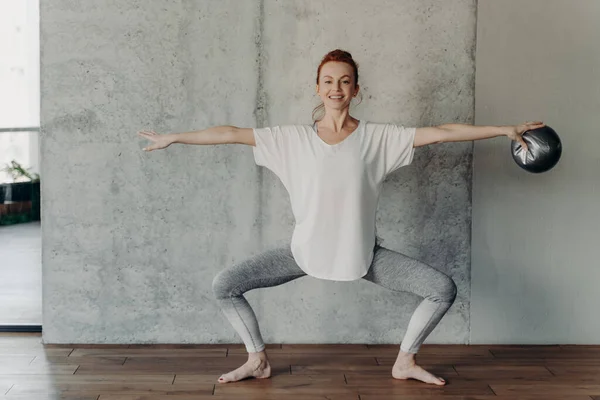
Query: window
{"points": [[19, 85]]}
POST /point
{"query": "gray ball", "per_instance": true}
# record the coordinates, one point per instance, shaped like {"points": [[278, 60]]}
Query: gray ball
{"points": [[545, 149]]}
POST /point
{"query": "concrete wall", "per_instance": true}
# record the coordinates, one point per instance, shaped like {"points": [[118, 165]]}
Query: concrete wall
{"points": [[535, 236], [132, 240]]}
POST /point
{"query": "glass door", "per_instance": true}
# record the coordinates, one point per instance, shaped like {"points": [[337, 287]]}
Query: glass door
{"points": [[20, 226]]}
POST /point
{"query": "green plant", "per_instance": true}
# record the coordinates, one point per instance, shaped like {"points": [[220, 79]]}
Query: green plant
{"points": [[17, 171]]}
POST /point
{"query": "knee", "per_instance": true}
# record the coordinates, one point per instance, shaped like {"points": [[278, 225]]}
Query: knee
{"points": [[220, 287], [450, 290], [446, 291]]}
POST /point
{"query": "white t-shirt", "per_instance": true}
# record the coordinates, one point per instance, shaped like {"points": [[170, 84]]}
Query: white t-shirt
{"points": [[334, 190]]}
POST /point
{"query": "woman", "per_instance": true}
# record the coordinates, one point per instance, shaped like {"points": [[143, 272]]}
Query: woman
{"points": [[333, 172]]}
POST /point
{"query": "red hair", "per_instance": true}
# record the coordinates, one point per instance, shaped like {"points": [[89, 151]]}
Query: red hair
{"points": [[338, 56]]}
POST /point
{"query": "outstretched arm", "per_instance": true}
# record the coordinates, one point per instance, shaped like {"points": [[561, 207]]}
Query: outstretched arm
{"points": [[215, 135], [462, 132]]}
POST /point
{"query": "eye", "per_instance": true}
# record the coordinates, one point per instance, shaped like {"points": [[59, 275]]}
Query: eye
{"points": [[327, 81], [347, 82]]}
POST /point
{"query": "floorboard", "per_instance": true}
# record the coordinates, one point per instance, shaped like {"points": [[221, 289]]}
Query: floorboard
{"points": [[32, 370]]}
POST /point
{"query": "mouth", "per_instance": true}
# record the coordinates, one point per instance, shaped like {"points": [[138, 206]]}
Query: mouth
{"points": [[338, 97]]}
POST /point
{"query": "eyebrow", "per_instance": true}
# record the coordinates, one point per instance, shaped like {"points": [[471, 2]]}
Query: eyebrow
{"points": [[344, 76]]}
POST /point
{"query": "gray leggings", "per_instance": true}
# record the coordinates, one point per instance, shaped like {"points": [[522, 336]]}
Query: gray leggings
{"points": [[389, 269]]}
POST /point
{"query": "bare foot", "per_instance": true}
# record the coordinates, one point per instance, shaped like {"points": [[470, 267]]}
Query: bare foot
{"points": [[257, 368], [409, 369]]}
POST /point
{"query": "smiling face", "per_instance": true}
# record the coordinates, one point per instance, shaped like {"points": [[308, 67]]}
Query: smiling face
{"points": [[337, 85]]}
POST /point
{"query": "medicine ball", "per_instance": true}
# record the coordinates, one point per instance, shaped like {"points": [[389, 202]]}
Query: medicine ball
{"points": [[544, 150]]}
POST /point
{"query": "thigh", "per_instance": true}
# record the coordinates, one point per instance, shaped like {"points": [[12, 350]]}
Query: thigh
{"points": [[270, 268], [399, 272]]}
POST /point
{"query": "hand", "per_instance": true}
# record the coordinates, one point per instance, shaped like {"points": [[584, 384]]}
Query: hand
{"points": [[516, 132], [160, 141]]}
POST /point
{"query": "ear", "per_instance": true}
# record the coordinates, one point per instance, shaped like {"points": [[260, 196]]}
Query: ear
{"points": [[356, 91], [317, 88]]}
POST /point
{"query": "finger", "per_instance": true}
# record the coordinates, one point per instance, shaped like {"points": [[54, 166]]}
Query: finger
{"points": [[523, 145], [524, 151], [152, 138], [147, 133], [536, 124]]}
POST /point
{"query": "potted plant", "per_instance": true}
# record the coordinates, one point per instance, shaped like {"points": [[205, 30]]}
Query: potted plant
{"points": [[19, 200]]}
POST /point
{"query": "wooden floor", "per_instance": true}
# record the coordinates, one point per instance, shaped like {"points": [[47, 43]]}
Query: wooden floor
{"points": [[30, 370]]}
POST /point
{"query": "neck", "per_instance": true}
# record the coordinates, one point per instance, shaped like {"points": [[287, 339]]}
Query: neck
{"points": [[336, 120]]}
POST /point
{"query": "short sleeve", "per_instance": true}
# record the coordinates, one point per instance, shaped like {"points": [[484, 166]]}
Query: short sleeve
{"points": [[268, 148], [397, 146]]}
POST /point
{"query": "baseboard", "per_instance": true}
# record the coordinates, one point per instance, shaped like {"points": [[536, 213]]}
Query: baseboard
{"points": [[20, 328]]}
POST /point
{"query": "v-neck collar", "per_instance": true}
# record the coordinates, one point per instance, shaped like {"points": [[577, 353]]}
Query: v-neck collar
{"points": [[353, 133]]}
